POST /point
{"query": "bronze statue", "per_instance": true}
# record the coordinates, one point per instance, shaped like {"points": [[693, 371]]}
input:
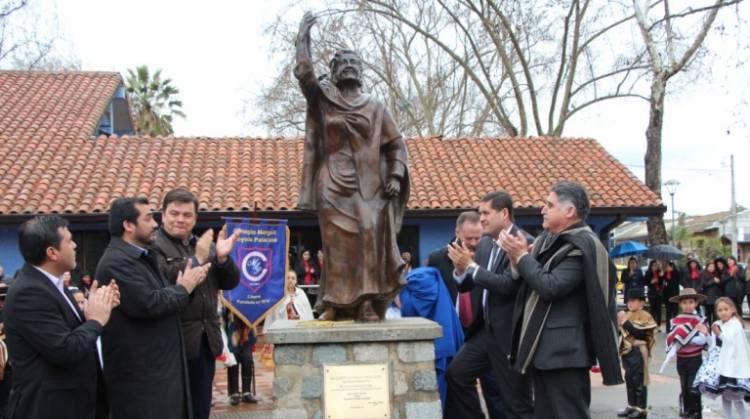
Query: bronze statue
{"points": [[355, 175]]}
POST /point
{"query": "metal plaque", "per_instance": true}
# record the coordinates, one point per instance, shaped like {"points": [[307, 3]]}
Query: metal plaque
{"points": [[356, 391]]}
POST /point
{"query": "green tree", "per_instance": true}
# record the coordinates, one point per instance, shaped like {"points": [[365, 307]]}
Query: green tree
{"points": [[154, 101]]}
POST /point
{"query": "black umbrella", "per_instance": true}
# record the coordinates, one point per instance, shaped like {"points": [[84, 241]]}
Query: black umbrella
{"points": [[664, 252]]}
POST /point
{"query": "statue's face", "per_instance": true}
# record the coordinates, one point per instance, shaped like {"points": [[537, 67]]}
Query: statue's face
{"points": [[348, 68]]}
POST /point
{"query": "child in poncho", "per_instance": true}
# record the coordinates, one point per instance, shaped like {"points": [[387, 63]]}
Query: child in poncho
{"points": [[686, 340], [636, 341], [727, 370]]}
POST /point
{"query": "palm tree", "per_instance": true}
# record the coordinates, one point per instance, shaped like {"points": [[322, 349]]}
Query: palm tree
{"points": [[153, 100]]}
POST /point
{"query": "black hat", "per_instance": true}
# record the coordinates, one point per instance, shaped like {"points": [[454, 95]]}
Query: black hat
{"points": [[635, 293]]}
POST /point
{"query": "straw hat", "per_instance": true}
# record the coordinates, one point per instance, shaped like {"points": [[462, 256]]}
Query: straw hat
{"points": [[688, 293]]}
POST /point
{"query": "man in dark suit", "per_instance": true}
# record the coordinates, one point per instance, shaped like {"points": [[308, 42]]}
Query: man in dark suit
{"points": [[564, 316], [468, 304], [488, 269], [468, 232], [143, 351], [52, 344], [175, 247]]}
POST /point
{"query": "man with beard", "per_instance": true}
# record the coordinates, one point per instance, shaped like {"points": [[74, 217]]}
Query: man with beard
{"points": [[144, 355], [488, 270], [355, 177], [176, 247], [51, 342], [564, 315]]}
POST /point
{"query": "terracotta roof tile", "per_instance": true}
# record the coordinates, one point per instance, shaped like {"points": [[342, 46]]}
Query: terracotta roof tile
{"points": [[47, 174], [54, 104]]}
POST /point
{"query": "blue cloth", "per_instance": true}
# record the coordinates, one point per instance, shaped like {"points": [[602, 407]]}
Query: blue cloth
{"points": [[425, 295]]}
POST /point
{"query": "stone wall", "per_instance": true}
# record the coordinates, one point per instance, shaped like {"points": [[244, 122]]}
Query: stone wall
{"points": [[298, 380]]}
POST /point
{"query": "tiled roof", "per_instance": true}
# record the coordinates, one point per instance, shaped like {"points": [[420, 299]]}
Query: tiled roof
{"points": [[54, 104], [48, 174]]}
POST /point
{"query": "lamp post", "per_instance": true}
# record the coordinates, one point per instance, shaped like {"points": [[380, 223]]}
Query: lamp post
{"points": [[672, 188]]}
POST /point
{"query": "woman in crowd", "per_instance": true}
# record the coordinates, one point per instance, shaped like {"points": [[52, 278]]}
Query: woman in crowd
{"points": [[735, 286], [632, 277], [655, 283], [713, 288], [693, 277], [671, 289], [308, 274], [307, 269]]}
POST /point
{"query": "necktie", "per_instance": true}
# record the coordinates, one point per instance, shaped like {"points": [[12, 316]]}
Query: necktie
{"points": [[465, 313], [493, 258]]}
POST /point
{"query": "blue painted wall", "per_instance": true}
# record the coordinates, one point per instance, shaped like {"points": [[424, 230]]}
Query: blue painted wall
{"points": [[10, 257], [433, 233]]}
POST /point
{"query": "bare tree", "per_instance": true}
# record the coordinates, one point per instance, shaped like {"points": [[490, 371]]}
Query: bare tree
{"points": [[478, 67], [426, 91], [30, 40], [665, 32]]}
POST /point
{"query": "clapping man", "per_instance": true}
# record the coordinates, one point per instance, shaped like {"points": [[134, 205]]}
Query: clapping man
{"points": [[488, 270], [176, 247], [51, 342], [564, 317], [144, 356]]}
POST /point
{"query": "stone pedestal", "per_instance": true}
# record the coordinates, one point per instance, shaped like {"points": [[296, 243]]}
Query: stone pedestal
{"points": [[405, 345]]}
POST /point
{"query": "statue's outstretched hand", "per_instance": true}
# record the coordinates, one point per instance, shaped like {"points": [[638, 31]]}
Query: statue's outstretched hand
{"points": [[393, 187], [308, 20]]}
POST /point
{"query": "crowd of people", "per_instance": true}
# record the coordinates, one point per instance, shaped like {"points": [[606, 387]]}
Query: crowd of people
{"points": [[709, 300], [524, 318], [720, 277]]}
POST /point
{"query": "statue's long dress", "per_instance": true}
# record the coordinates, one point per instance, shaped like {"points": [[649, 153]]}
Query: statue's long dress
{"points": [[351, 149]]}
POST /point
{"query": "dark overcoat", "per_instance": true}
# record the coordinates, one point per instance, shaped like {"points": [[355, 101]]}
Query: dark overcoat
{"points": [[144, 357], [52, 351]]}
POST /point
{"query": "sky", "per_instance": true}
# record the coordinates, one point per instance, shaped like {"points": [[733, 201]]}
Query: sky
{"points": [[219, 57]]}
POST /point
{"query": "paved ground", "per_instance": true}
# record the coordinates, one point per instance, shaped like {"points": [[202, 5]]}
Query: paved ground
{"points": [[605, 401]]}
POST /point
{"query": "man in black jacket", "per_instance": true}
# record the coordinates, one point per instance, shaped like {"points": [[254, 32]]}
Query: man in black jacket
{"points": [[51, 342], [564, 316], [144, 356], [175, 247], [488, 270], [468, 232]]}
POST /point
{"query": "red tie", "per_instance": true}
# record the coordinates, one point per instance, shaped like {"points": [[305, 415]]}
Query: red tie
{"points": [[464, 309]]}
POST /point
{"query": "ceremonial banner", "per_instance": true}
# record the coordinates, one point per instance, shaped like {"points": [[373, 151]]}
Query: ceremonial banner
{"points": [[261, 256]]}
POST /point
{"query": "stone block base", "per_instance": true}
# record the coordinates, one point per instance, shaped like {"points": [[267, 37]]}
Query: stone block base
{"points": [[405, 345]]}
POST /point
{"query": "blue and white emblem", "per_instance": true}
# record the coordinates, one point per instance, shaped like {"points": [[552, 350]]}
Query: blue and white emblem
{"points": [[255, 266]]}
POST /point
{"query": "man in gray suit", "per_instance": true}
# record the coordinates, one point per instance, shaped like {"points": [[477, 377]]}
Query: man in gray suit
{"points": [[564, 316], [488, 271]]}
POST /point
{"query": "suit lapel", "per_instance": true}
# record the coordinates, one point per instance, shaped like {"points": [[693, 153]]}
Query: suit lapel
{"points": [[52, 289], [75, 304]]}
